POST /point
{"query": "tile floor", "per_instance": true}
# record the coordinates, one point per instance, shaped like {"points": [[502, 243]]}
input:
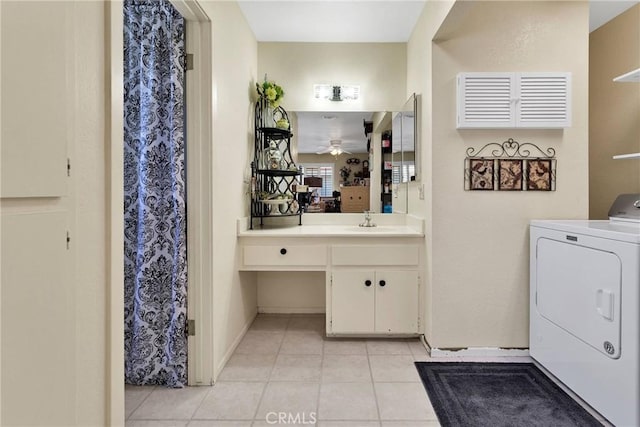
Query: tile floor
{"points": [[285, 364]]}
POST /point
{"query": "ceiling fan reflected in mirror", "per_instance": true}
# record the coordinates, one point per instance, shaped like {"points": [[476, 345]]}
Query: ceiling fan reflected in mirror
{"points": [[334, 148]]}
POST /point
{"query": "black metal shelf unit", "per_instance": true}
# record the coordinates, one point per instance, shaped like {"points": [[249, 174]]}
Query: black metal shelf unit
{"points": [[274, 174]]}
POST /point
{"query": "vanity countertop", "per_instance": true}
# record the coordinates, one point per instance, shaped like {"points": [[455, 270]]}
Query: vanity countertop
{"points": [[330, 230]]}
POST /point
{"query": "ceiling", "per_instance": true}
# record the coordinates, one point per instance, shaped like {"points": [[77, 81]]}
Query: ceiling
{"points": [[362, 21], [317, 129], [603, 11], [355, 21], [332, 20]]}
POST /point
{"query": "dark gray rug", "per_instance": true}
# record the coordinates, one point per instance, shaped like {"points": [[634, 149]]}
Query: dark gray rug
{"points": [[499, 394]]}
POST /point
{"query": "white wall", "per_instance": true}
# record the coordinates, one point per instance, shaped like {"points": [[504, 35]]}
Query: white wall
{"points": [[378, 68], [478, 241], [234, 77]]}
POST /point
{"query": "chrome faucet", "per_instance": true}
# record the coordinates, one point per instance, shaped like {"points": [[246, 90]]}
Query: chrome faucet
{"points": [[367, 220]]}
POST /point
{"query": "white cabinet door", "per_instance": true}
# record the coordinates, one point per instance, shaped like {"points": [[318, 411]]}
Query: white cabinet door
{"points": [[36, 101], [38, 321], [352, 302], [513, 100], [396, 302]]}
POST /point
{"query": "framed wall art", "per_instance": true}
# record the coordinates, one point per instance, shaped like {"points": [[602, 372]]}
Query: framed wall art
{"points": [[510, 166], [539, 173], [481, 174]]}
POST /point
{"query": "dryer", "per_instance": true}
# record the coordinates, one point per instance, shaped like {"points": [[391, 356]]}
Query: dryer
{"points": [[585, 307]]}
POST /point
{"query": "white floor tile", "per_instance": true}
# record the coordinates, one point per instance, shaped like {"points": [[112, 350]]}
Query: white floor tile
{"points": [[248, 367], [307, 323], [425, 423], [305, 423], [218, 423], [302, 342], [270, 322], [418, 350], [296, 399], [260, 342], [341, 346], [345, 368], [393, 368], [156, 423], [134, 395], [170, 403], [348, 424], [403, 401], [388, 347], [231, 401], [297, 367], [347, 401]]}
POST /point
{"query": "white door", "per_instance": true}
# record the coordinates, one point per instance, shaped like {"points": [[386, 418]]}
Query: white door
{"points": [[38, 328], [352, 301], [396, 302], [579, 289]]}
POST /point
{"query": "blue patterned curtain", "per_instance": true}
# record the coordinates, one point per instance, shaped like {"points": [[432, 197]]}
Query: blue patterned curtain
{"points": [[155, 265]]}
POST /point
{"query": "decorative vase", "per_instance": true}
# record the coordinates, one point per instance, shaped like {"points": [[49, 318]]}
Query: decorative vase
{"points": [[267, 115], [272, 157]]}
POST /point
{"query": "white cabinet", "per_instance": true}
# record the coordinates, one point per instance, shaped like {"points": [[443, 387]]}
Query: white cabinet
{"points": [[374, 302], [37, 98], [513, 100]]}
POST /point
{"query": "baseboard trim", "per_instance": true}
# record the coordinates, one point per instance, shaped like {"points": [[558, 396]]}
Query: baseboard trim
{"points": [[479, 352], [291, 310], [232, 348]]}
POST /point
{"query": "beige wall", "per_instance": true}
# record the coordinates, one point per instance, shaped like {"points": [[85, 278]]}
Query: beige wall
{"points": [[378, 68], [419, 75], [477, 266], [614, 111], [292, 292], [234, 76], [91, 190]]}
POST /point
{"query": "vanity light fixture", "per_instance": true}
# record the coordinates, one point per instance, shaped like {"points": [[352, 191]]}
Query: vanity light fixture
{"points": [[336, 93]]}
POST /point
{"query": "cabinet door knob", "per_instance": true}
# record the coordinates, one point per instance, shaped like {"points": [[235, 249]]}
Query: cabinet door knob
{"points": [[283, 251], [367, 282], [382, 283]]}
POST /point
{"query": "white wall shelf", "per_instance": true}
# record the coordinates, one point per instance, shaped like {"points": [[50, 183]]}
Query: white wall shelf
{"points": [[627, 156], [631, 76]]}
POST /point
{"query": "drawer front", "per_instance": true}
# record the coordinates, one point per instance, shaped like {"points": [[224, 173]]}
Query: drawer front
{"points": [[285, 255], [375, 255]]}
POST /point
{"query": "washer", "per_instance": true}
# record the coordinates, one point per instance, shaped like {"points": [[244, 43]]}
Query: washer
{"points": [[585, 307]]}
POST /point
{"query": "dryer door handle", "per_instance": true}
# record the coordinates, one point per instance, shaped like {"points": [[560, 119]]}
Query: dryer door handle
{"points": [[604, 303]]}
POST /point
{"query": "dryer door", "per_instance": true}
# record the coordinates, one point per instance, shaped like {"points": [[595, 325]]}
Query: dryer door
{"points": [[578, 289]]}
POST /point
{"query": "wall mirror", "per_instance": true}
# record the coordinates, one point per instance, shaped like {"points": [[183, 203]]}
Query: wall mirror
{"points": [[355, 171], [405, 124]]}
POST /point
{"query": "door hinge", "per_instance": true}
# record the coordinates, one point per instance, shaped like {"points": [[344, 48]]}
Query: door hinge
{"points": [[68, 166], [68, 240], [188, 63], [191, 327]]}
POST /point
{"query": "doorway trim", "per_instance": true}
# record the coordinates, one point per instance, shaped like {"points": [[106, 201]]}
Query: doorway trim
{"points": [[199, 105]]}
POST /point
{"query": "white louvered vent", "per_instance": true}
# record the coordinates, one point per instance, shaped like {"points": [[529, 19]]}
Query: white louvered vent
{"points": [[512, 100], [544, 100], [485, 100]]}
